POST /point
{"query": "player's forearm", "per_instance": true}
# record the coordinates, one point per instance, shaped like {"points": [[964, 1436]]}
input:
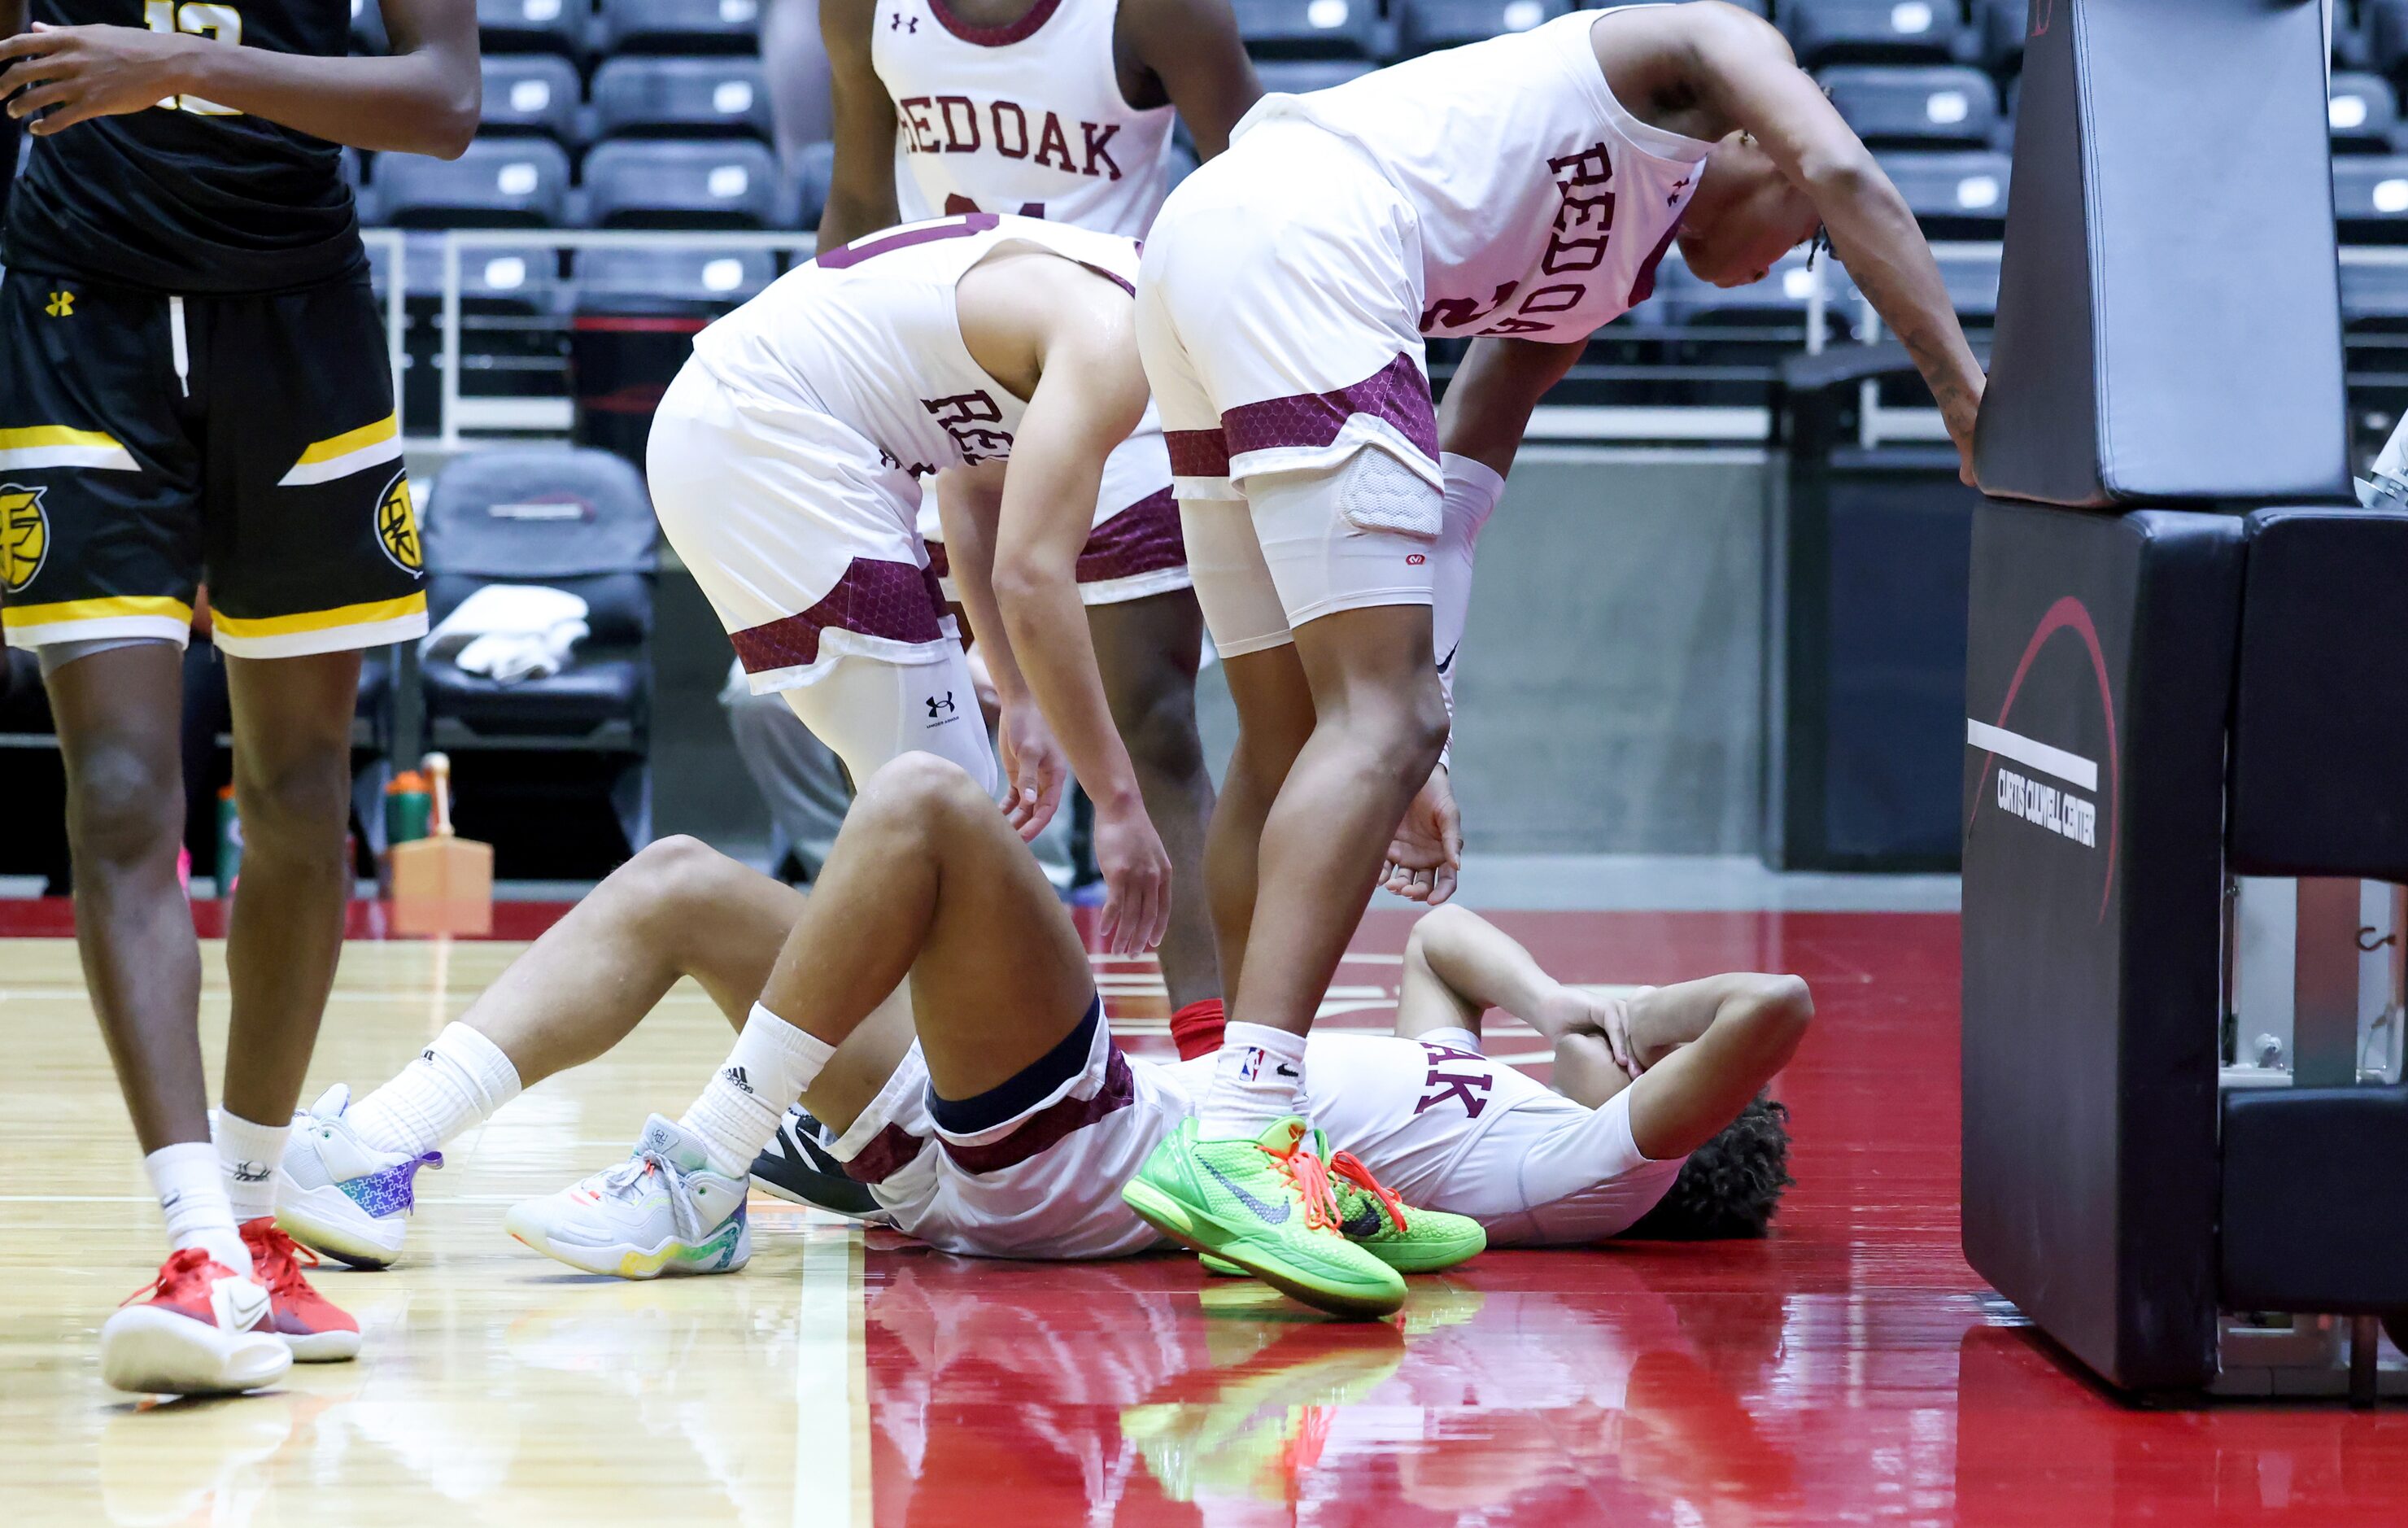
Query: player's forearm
{"points": [[1735, 1005], [851, 215], [12, 16], [970, 561], [1038, 599], [420, 103], [1483, 965], [1874, 233], [1488, 406]]}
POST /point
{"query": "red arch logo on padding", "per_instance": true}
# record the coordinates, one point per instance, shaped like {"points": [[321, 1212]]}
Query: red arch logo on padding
{"points": [[2068, 614]]}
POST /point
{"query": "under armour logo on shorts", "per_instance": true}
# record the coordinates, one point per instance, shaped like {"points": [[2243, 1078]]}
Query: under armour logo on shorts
{"points": [[898, 21], [942, 709], [61, 305]]}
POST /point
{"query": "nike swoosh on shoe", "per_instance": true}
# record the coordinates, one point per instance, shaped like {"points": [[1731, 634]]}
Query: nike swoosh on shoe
{"points": [[1362, 1225], [1271, 1214]]}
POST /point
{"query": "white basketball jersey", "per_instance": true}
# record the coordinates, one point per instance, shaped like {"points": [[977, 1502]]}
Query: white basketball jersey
{"points": [[870, 333], [1027, 118], [1543, 206]]}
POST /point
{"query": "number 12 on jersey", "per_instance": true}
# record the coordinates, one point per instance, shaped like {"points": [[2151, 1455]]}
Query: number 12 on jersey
{"points": [[223, 22]]}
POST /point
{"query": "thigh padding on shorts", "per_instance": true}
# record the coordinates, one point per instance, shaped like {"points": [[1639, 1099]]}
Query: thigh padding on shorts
{"points": [[1376, 492]]}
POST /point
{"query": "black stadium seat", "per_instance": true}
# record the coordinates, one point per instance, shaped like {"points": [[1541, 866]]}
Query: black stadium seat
{"points": [[1935, 107], [680, 26], [1955, 196], [677, 184], [1303, 76], [1427, 24], [717, 97], [2000, 26], [2362, 113], [367, 28], [1872, 31], [2371, 197], [516, 282], [532, 26], [1309, 28], [642, 281], [500, 183], [531, 93]]}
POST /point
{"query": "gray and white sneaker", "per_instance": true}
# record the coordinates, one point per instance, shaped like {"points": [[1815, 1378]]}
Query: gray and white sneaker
{"points": [[661, 1211], [339, 1195]]}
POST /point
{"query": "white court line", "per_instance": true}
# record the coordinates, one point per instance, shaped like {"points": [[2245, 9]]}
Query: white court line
{"points": [[2032, 753], [831, 1384]]}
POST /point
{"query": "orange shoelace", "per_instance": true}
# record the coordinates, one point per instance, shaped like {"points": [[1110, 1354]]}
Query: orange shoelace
{"points": [[1349, 1166], [277, 1260], [1303, 1170], [184, 1266]]}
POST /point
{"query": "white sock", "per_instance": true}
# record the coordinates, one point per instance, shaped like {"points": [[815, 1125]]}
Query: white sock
{"points": [[251, 1154], [456, 1082], [1453, 1036], [191, 1189], [738, 1114], [1258, 1078]]}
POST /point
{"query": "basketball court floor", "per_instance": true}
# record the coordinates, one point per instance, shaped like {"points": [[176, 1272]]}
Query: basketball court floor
{"points": [[1850, 1369]]}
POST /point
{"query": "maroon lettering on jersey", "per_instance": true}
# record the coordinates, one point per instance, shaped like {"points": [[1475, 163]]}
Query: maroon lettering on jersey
{"points": [[1456, 313], [1644, 285], [1012, 142], [922, 129], [1591, 166], [1468, 1088], [1569, 256], [1097, 143], [964, 416], [1054, 146], [964, 139]]}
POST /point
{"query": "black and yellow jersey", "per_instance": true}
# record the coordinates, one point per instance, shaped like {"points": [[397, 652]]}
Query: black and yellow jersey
{"points": [[189, 197]]}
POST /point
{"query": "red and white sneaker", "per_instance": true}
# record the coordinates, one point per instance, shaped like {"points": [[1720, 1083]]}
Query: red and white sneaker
{"points": [[317, 1330], [198, 1329]]}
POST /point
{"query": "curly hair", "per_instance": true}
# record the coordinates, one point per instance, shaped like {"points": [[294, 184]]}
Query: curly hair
{"points": [[1731, 1186]]}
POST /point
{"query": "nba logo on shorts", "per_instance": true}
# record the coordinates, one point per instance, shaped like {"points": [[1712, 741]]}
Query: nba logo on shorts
{"points": [[1251, 1067]]}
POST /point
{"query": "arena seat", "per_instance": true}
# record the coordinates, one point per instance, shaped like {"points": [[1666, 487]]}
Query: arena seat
{"points": [[1763, 320], [518, 282], [2371, 197], [1955, 196], [532, 26], [677, 183], [1427, 24], [532, 93], [567, 518], [2361, 112], [1309, 28], [679, 26], [638, 280], [714, 98], [1998, 26], [367, 28], [1303, 76], [1872, 31], [1936, 106], [2382, 34], [500, 183]]}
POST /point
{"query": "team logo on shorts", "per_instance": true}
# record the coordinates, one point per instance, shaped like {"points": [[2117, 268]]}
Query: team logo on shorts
{"points": [[24, 536], [398, 527]]}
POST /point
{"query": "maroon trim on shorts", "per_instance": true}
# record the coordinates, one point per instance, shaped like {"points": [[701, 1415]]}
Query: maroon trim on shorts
{"points": [[1143, 538], [889, 1152], [1398, 392], [995, 36], [940, 565], [1643, 286], [845, 256], [1049, 1125], [896, 600], [1198, 454]]}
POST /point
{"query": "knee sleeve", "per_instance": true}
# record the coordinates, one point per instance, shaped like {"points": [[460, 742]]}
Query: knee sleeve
{"points": [[1358, 535], [56, 655], [1241, 604], [871, 713]]}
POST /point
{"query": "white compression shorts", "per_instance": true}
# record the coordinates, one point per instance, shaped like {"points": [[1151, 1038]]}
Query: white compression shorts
{"points": [[871, 712]]}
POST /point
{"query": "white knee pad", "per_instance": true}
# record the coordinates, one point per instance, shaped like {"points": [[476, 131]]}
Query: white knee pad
{"points": [[871, 712], [1359, 535], [1241, 604]]}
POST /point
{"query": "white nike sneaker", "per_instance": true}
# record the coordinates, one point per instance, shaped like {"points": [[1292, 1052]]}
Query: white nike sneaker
{"points": [[339, 1195], [198, 1329], [661, 1211]]}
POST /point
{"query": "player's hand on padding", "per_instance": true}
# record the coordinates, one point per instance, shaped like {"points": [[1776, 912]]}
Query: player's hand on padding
{"points": [[1137, 881], [1035, 767], [1427, 854], [81, 72]]}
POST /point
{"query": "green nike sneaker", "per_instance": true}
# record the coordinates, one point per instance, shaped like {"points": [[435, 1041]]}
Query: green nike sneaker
{"points": [[1266, 1205], [1411, 1241]]}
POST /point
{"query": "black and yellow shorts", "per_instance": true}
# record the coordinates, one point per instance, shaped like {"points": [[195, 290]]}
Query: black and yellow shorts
{"points": [[151, 444]]}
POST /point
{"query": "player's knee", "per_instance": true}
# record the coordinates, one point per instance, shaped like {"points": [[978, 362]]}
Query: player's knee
{"points": [[123, 810], [919, 793], [673, 878], [296, 805], [1159, 731], [1421, 724]]}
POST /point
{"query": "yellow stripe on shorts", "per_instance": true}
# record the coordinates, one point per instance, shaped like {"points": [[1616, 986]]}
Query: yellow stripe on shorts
{"points": [[353, 450], [108, 608], [55, 445], [375, 613]]}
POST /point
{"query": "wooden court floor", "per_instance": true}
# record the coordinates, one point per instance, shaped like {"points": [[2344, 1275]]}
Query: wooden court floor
{"points": [[1850, 1369]]}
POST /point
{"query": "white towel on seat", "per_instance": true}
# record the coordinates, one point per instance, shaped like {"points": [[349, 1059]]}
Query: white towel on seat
{"points": [[508, 632]]}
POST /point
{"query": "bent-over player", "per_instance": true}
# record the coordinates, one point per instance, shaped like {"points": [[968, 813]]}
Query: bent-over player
{"points": [[986, 1108]]}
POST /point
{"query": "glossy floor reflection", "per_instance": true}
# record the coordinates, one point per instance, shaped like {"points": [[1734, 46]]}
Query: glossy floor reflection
{"points": [[1849, 1369]]}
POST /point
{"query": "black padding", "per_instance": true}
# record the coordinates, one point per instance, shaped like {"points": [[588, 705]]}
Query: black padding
{"points": [[2169, 324], [539, 514], [2315, 1208], [2091, 964], [2319, 760]]}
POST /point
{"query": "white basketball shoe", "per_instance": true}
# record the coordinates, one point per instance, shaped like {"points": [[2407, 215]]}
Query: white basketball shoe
{"points": [[339, 1195], [198, 1329], [661, 1211]]}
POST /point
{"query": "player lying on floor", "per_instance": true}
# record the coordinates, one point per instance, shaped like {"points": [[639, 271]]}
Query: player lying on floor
{"points": [[988, 1110]]}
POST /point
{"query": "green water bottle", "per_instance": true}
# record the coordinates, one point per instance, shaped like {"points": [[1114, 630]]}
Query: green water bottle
{"points": [[229, 841], [409, 808]]}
